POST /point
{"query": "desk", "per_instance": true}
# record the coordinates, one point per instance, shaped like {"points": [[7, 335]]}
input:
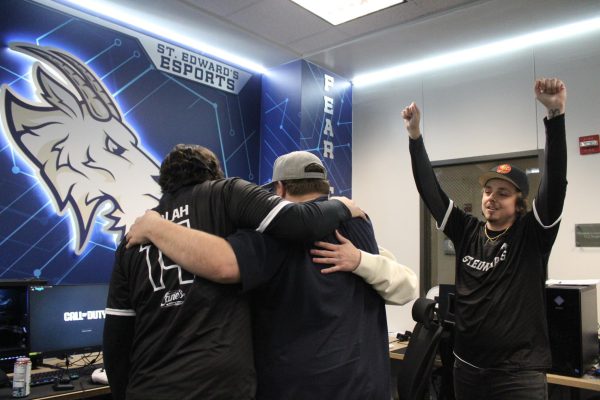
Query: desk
{"points": [[396, 350], [83, 388], [586, 382]]}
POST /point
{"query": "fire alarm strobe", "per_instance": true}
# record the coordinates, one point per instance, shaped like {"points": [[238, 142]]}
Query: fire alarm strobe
{"points": [[589, 144]]}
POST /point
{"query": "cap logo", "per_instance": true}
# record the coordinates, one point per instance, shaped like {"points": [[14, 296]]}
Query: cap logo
{"points": [[503, 169]]}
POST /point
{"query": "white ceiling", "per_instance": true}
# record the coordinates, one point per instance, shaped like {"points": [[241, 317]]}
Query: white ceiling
{"points": [[273, 32], [288, 26]]}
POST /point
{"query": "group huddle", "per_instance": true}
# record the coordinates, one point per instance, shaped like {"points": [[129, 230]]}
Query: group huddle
{"points": [[279, 292]]}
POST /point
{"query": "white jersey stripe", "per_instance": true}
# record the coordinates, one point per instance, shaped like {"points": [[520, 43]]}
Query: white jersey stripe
{"points": [[445, 220], [537, 217], [466, 362], [120, 313], [271, 215]]}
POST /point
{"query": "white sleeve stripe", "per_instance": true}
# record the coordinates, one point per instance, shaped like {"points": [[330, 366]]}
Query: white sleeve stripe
{"points": [[448, 211], [271, 215], [537, 217], [120, 313]]}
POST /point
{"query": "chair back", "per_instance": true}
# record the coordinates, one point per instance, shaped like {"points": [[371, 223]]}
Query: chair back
{"points": [[414, 373]]}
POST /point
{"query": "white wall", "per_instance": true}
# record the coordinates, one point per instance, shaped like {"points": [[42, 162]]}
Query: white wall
{"points": [[480, 109]]}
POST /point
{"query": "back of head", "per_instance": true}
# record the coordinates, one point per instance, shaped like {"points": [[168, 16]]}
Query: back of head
{"points": [[188, 164], [302, 173]]}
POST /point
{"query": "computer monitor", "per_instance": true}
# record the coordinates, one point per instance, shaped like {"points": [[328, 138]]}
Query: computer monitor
{"points": [[14, 338], [66, 319]]}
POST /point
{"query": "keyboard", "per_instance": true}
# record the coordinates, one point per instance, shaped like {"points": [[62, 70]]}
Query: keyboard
{"points": [[48, 377], [42, 378]]}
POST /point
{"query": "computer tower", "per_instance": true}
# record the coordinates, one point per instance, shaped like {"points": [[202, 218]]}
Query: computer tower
{"points": [[446, 302], [573, 328]]}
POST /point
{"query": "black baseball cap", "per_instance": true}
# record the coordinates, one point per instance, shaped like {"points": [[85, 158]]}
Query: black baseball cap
{"points": [[509, 173]]}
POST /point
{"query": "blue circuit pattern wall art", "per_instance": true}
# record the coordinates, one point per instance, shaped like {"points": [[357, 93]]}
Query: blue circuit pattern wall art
{"points": [[305, 107], [87, 117]]}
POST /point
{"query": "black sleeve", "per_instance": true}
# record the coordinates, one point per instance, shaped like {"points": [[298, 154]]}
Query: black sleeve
{"points": [[308, 221], [427, 184], [553, 186], [118, 330], [118, 339], [259, 257], [252, 207]]}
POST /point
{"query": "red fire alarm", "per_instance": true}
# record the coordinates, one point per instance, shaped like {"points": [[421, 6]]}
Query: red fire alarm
{"points": [[589, 144]]}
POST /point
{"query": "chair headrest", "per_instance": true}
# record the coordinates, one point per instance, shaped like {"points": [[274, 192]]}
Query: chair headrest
{"points": [[423, 311]]}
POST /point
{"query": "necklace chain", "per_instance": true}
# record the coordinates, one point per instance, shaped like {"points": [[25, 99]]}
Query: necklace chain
{"points": [[493, 239]]}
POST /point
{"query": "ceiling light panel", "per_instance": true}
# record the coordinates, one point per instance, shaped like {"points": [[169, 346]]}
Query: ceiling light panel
{"points": [[339, 11]]}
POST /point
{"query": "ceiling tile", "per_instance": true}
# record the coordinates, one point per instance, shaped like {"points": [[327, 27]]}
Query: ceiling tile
{"points": [[223, 8], [279, 20], [399, 14], [319, 41]]}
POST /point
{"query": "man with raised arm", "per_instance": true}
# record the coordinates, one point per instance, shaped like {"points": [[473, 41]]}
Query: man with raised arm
{"points": [[501, 337]]}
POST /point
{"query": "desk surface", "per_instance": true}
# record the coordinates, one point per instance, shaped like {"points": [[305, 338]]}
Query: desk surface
{"points": [[396, 348], [84, 388], [585, 382]]}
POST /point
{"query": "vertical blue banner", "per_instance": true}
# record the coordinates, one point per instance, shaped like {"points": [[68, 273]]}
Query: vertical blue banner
{"points": [[305, 107]]}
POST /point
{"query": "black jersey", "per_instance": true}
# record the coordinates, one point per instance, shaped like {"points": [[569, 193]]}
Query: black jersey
{"points": [[316, 336], [192, 337], [500, 304]]}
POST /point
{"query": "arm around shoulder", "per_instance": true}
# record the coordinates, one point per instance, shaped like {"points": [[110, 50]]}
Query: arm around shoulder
{"points": [[396, 283], [201, 253]]}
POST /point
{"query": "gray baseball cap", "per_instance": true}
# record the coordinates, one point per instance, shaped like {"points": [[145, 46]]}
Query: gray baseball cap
{"points": [[292, 166]]}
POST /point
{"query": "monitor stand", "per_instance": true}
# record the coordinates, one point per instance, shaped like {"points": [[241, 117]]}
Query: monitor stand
{"points": [[63, 384], [64, 381]]}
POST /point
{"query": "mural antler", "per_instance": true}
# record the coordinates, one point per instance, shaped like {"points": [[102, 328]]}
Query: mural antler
{"points": [[79, 144]]}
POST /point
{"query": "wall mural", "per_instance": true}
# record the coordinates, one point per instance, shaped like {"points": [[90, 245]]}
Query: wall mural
{"points": [[79, 146], [88, 112], [305, 107]]}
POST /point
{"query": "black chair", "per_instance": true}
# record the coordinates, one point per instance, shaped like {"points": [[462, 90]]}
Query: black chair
{"points": [[414, 372], [446, 350]]}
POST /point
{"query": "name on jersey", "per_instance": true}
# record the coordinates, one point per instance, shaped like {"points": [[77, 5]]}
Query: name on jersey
{"points": [[481, 265], [83, 315], [177, 213], [173, 298]]}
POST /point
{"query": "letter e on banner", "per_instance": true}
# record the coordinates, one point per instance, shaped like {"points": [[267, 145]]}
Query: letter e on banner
{"points": [[328, 107]]}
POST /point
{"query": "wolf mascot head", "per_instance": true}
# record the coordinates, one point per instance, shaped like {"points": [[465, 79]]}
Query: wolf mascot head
{"points": [[81, 148]]}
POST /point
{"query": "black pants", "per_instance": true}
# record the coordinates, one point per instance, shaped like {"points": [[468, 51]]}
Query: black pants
{"points": [[472, 383]]}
